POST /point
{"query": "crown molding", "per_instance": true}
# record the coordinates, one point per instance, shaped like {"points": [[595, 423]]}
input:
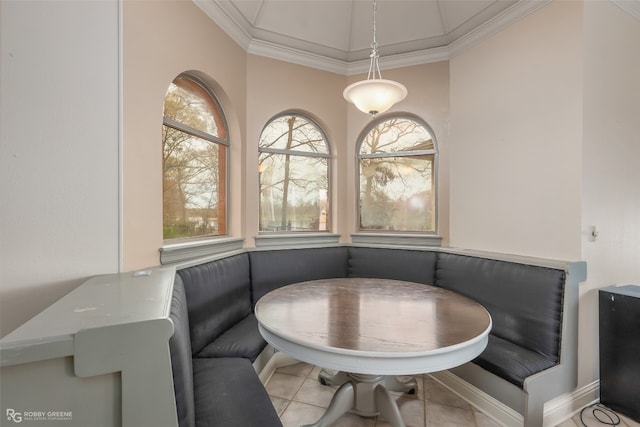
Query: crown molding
{"points": [[630, 6], [493, 26], [307, 59], [225, 22], [298, 56], [401, 60]]}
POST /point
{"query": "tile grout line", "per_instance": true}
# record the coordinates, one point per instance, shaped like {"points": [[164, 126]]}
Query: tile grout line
{"points": [[376, 420], [286, 406]]}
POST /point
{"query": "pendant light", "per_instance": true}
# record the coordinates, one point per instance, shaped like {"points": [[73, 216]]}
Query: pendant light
{"points": [[374, 95]]}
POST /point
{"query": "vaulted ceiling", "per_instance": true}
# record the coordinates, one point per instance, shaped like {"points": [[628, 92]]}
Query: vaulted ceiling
{"points": [[336, 35]]}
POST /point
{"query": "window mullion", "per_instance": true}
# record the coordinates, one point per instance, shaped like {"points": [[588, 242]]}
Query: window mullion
{"points": [[293, 152], [193, 131], [398, 154]]}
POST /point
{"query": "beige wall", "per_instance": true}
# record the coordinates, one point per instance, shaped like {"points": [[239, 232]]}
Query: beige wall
{"points": [[516, 134], [611, 198], [161, 40]]}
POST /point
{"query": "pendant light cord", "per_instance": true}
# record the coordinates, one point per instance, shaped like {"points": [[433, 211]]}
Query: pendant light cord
{"points": [[374, 66]]}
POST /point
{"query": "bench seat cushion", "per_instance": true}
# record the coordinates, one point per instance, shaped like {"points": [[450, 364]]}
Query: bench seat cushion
{"points": [[510, 361], [229, 393], [241, 340]]}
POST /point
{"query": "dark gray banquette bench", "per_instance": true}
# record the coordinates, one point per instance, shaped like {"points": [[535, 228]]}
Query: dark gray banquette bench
{"points": [[530, 358]]}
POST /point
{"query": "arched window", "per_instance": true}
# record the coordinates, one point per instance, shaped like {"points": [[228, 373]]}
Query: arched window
{"points": [[293, 163], [397, 163], [194, 161]]}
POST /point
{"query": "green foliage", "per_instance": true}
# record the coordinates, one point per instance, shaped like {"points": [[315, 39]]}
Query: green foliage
{"points": [[176, 231]]}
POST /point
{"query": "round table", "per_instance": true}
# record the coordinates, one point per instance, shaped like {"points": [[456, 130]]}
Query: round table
{"points": [[371, 330]]}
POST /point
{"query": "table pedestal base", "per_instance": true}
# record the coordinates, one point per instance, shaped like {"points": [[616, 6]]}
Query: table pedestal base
{"points": [[365, 395]]}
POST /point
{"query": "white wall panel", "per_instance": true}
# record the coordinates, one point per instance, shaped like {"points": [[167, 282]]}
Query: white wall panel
{"points": [[611, 177], [59, 155]]}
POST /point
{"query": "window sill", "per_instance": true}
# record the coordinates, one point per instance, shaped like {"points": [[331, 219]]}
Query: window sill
{"points": [[202, 250], [199, 249], [397, 239], [296, 240]]}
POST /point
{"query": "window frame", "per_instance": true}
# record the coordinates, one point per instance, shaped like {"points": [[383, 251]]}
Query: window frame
{"points": [[396, 237], [169, 245], [273, 236]]}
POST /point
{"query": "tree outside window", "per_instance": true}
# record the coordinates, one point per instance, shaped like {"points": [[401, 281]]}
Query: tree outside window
{"points": [[194, 161], [396, 179], [293, 170]]}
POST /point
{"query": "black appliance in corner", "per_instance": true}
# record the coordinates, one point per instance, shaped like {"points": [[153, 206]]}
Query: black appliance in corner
{"points": [[619, 309]]}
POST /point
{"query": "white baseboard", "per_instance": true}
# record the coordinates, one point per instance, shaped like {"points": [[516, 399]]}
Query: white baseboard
{"points": [[276, 360], [555, 411], [566, 406], [480, 400]]}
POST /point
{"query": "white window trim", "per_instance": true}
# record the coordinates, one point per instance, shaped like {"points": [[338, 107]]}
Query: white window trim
{"points": [[269, 238], [296, 240], [397, 239], [169, 252], [201, 250], [382, 237]]}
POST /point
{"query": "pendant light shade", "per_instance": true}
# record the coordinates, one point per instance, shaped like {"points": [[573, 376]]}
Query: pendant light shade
{"points": [[374, 95]]}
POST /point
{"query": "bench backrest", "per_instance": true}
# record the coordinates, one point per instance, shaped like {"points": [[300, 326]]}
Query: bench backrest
{"points": [[397, 264], [180, 349], [219, 296], [275, 268], [525, 301]]}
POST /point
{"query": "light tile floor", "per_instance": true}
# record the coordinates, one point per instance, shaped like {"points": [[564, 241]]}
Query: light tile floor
{"points": [[300, 399]]}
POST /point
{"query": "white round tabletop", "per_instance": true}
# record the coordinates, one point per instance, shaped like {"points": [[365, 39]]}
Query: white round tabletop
{"points": [[374, 326]]}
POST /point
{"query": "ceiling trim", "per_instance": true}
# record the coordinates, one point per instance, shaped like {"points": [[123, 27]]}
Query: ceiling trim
{"points": [[631, 7], [401, 60], [296, 56], [224, 21], [495, 25], [255, 46], [300, 57]]}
